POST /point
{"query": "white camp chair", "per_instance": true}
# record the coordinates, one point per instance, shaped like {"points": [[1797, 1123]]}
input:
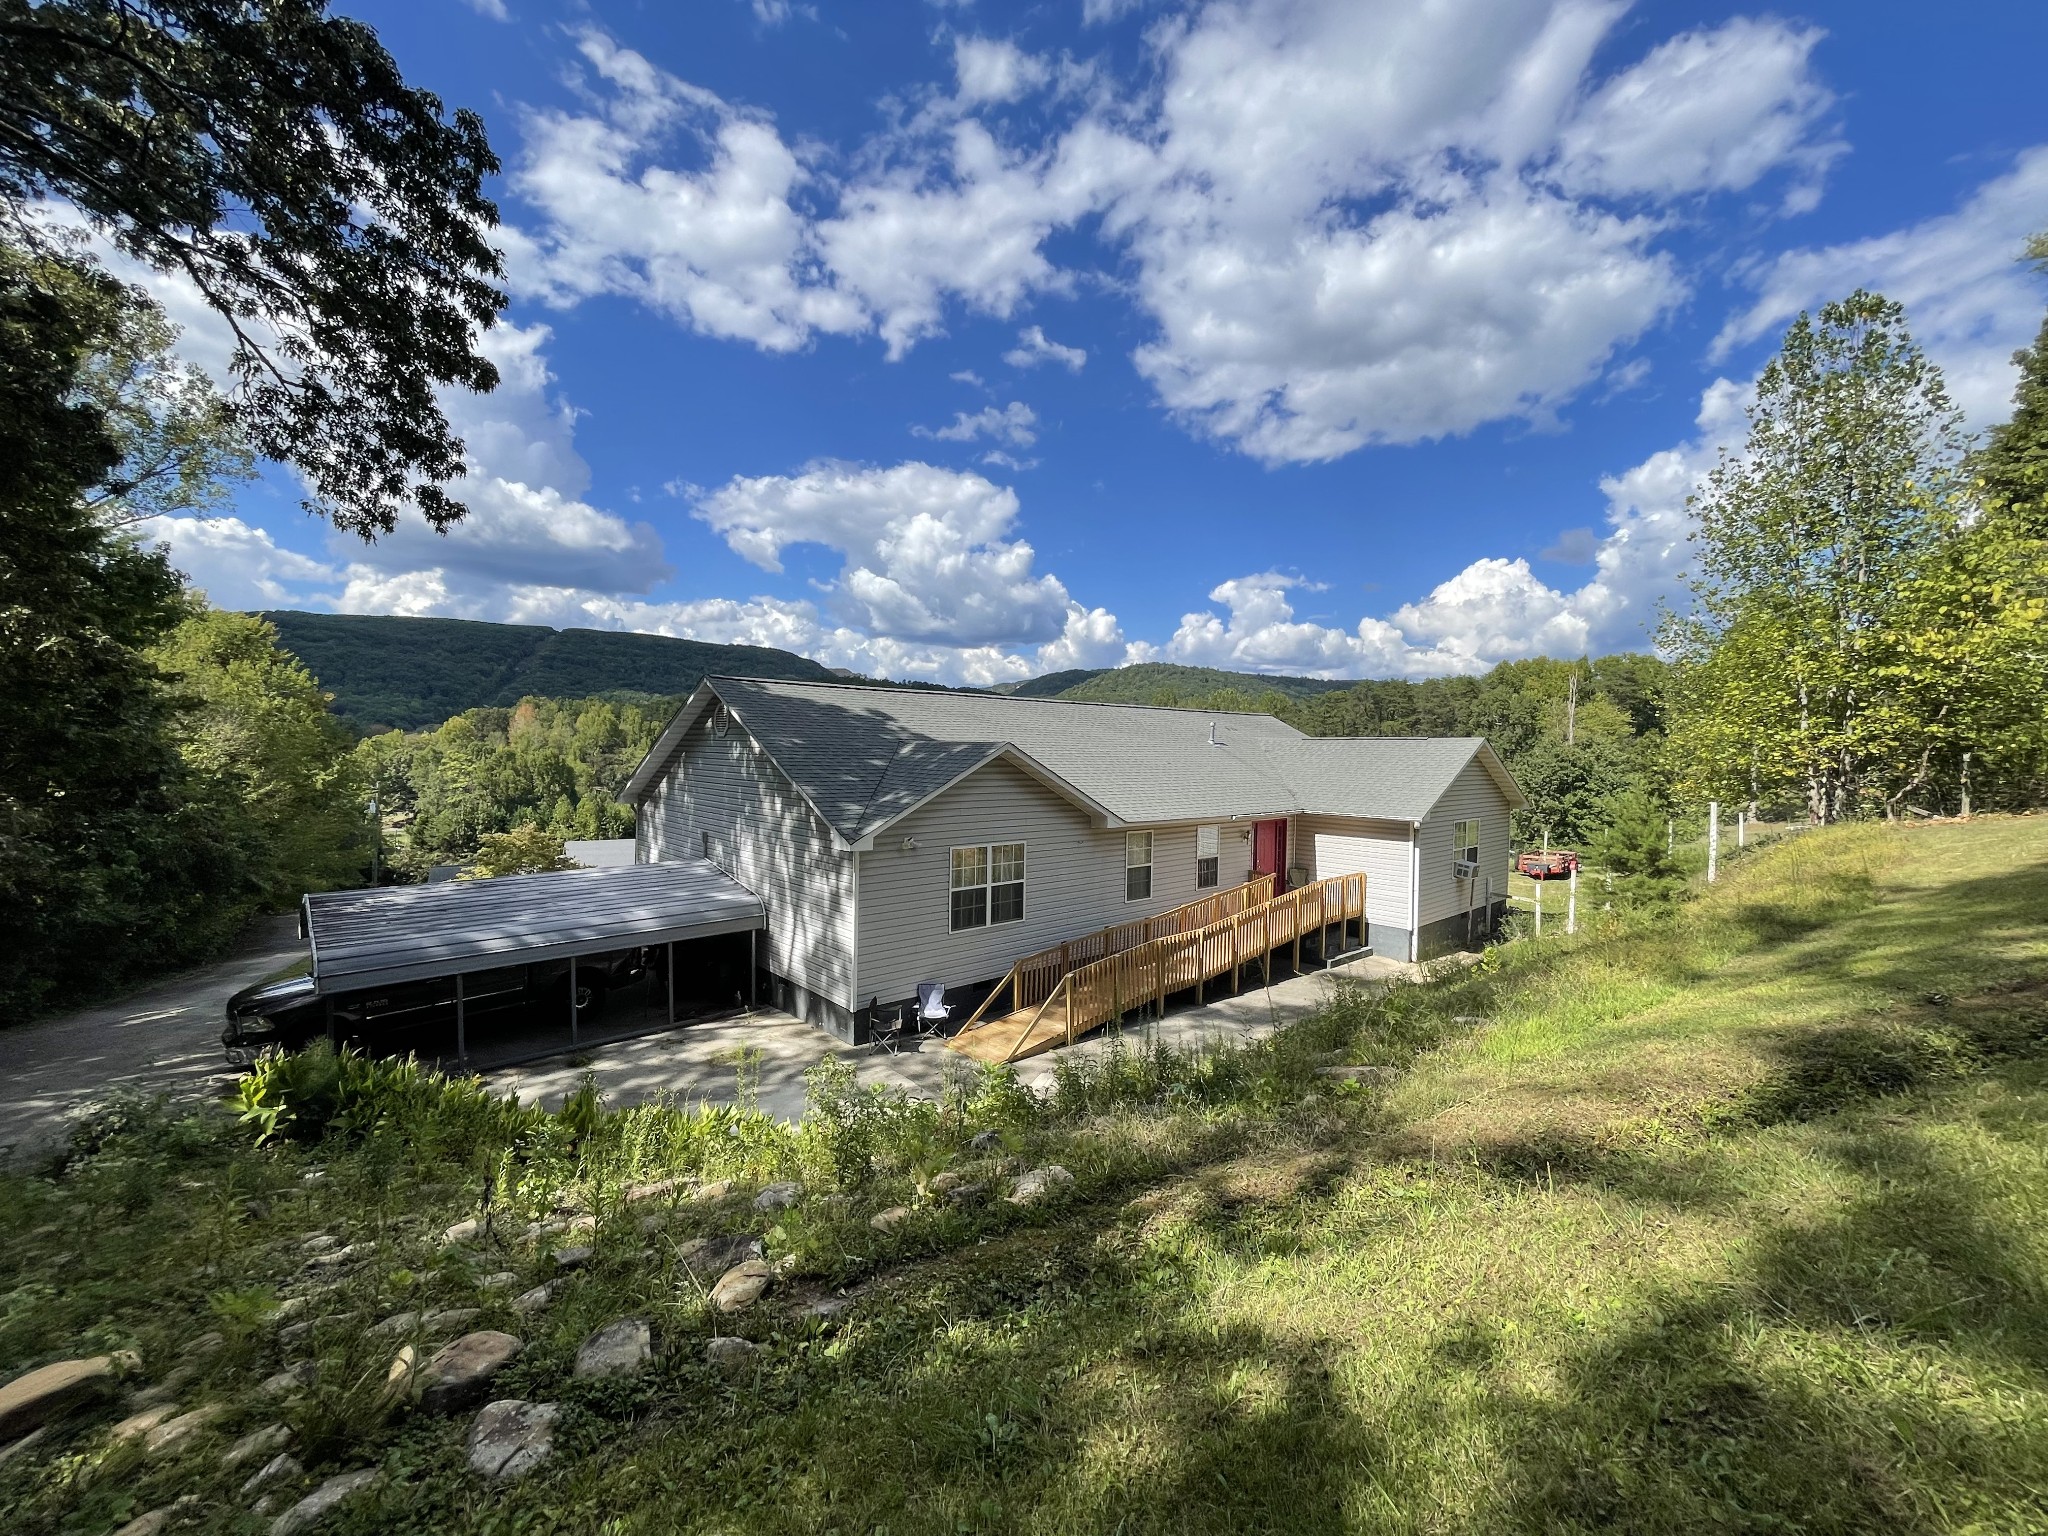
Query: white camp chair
{"points": [[933, 1010]]}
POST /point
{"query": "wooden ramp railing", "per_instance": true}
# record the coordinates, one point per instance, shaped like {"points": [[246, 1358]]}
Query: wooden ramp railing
{"points": [[1142, 975], [1032, 980]]}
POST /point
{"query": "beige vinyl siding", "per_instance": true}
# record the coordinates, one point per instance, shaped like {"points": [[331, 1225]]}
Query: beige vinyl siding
{"points": [[723, 796], [1073, 882], [1345, 845], [1473, 794]]}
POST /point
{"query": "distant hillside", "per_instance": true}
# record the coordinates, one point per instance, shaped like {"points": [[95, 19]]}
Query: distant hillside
{"points": [[1050, 685], [409, 673], [1160, 683]]}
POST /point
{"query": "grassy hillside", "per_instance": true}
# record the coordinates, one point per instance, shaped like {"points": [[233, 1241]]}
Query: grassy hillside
{"points": [[386, 671], [1735, 1219]]}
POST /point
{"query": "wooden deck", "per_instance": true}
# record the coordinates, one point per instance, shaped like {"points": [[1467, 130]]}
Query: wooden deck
{"points": [[1142, 974]]}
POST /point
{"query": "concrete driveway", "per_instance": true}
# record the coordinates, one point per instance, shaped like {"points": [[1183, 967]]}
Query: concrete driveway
{"points": [[162, 1039]]}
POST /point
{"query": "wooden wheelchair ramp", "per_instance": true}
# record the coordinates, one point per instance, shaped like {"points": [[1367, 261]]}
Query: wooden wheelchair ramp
{"points": [[1055, 1003]]}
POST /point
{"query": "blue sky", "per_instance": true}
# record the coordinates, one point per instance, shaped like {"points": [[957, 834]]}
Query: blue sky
{"points": [[968, 341]]}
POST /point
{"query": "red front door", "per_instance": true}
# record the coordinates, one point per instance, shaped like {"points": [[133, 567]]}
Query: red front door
{"points": [[1269, 852]]}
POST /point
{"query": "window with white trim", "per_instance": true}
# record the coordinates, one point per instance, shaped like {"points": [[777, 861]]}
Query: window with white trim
{"points": [[987, 885], [1465, 842], [1137, 866], [1207, 851]]}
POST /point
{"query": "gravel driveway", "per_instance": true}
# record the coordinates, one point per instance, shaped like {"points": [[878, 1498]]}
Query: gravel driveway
{"points": [[163, 1039]]}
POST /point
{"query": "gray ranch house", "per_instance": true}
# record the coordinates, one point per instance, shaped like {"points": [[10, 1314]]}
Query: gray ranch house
{"points": [[896, 836]]}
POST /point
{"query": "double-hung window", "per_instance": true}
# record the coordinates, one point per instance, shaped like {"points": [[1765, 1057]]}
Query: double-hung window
{"points": [[1465, 842], [988, 885], [1137, 866], [1206, 855]]}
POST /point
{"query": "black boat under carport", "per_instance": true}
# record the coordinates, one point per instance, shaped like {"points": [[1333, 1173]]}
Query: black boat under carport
{"points": [[528, 965]]}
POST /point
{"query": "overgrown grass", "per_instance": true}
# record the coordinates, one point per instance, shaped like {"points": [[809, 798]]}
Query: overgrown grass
{"points": [[1732, 1218]]}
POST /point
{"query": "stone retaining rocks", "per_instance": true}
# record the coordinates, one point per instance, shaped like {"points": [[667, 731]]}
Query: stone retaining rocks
{"points": [[257, 1443], [463, 1231], [652, 1190], [715, 1255], [1039, 1184], [279, 1469], [889, 1220], [741, 1286], [315, 1505], [510, 1438], [618, 1349], [460, 1373], [571, 1258], [778, 1197], [29, 1401], [536, 1300], [175, 1435], [986, 1141], [300, 1375], [137, 1425]]}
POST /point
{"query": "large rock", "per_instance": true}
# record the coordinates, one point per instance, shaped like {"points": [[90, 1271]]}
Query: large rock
{"points": [[464, 1231], [460, 1373], [778, 1197], [654, 1189], [715, 1255], [258, 1443], [986, 1141], [567, 1259], [510, 1438], [32, 1400], [159, 1519], [315, 1505], [539, 1299], [742, 1285], [138, 1425], [618, 1349], [285, 1468], [175, 1435], [1039, 1184], [889, 1220], [286, 1382]]}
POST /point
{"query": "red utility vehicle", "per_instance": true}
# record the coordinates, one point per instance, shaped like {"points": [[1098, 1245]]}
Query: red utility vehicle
{"points": [[1554, 865]]}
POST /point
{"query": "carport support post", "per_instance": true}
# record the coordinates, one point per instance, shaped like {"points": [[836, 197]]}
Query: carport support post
{"points": [[753, 965], [461, 1022], [671, 983], [574, 1038]]}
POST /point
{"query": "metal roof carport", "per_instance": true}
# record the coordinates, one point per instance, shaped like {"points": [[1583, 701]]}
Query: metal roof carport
{"points": [[400, 933]]}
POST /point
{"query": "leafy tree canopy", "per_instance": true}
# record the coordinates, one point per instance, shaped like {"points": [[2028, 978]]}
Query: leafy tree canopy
{"points": [[335, 217], [527, 850]]}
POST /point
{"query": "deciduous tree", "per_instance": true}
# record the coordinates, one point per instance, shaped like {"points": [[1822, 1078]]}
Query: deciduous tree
{"points": [[271, 155]]}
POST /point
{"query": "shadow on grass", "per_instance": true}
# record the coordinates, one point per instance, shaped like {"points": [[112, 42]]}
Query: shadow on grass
{"points": [[1863, 1371]]}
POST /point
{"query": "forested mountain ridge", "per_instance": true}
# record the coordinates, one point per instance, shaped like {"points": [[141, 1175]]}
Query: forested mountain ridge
{"points": [[386, 671]]}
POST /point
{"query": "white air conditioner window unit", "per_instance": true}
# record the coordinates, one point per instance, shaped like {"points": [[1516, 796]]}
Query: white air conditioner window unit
{"points": [[1466, 868]]}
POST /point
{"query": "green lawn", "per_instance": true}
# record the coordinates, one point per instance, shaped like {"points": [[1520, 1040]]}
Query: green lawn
{"points": [[1732, 1219]]}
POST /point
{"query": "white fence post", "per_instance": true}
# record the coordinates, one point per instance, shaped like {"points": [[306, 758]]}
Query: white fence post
{"points": [[1571, 909], [1713, 839]]}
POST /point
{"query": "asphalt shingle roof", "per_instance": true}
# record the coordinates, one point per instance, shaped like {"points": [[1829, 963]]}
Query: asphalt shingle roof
{"points": [[864, 755]]}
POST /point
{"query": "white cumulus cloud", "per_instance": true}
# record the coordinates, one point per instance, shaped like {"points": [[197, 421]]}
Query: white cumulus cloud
{"points": [[1013, 424], [1968, 298], [1034, 347], [1346, 224], [926, 553]]}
